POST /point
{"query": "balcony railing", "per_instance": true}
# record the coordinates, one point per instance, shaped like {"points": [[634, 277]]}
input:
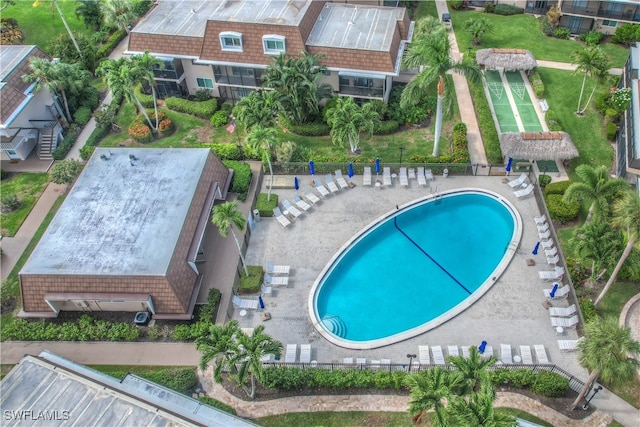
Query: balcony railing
{"points": [[369, 92], [602, 13]]}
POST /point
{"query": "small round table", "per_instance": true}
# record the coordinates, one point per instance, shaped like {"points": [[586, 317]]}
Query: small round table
{"points": [[559, 330], [243, 313], [517, 359]]}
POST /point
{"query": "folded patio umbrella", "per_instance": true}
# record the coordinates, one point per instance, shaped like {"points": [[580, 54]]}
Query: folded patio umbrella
{"points": [[535, 250], [312, 168], [296, 185], [260, 302], [508, 168], [350, 172], [482, 346], [377, 165], [553, 291]]}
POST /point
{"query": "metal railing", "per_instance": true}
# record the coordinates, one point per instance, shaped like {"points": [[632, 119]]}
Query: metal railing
{"points": [[321, 168]]}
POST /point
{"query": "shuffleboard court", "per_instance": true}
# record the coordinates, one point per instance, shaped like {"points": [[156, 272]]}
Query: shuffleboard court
{"points": [[502, 107], [525, 107]]}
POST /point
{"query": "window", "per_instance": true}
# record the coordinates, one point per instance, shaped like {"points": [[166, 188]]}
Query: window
{"points": [[231, 41], [273, 44], [204, 83], [608, 23]]}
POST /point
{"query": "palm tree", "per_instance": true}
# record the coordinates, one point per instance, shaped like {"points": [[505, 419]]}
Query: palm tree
{"points": [[117, 13], [478, 411], [259, 108], [224, 217], [431, 53], [473, 369], [626, 213], [347, 121], [597, 242], [89, 12], [590, 61], [477, 28], [609, 352], [430, 390], [248, 358], [263, 139], [54, 4], [121, 77], [218, 344], [595, 188], [144, 65]]}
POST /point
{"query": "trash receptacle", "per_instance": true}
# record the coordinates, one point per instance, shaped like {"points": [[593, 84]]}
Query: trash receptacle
{"points": [[256, 215], [445, 173]]}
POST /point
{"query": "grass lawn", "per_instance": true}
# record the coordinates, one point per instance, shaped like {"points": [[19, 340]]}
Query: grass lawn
{"points": [[28, 187], [523, 31], [40, 26]]}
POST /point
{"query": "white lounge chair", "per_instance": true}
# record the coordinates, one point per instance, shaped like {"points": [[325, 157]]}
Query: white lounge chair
{"points": [[330, 184], [544, 235], [562, 311], [291, 353], [277, 269], [568, 345], [276, 280], [465, 351], [421, 178], [564, 322], [540, 219], [551, 252], [521, 194], [553, 260], [305, 353], [428, 175], [525, 355], [301, 203], [561, 292], [244, 303], [283, 220], [386, 176], [411, 173], [555, 274], [542, 227], [366, 176], [438, 356], [519, 181], [361, 360], [385, 363], [290, 209], [453, 350], [320, 188], [505, 353], [348, 360], [266, 289], [488, 352], [340, 180], [308, 194], [423, 355], [404, 181], [541, 353], [375, 364], [547, 244]]}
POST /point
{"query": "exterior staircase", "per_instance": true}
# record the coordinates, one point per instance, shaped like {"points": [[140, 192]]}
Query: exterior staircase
{"points": [[45, 146]]}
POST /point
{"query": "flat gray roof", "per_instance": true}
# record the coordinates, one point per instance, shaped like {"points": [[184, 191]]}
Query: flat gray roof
{"points": [[56, 391], [122, 216], [352, 26], [11, 57], [189, 17]]}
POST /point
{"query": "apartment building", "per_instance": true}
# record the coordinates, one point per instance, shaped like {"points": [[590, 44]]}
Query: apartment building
{"points": [[225, 46], [628, 140]]}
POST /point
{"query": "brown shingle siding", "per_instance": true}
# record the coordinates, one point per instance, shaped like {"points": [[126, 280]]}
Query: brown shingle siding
{"points": [[355, 59], [166, 45]]}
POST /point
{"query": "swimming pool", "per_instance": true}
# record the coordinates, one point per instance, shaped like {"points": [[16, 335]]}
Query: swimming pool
{"points": [[415, 268]]}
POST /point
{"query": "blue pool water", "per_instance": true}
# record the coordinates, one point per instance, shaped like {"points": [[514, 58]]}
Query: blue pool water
{"points": [[414, 267]]}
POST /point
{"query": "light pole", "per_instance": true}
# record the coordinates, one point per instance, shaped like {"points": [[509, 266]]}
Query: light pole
{"points": [[595, 391], [411, 357], [401, 150]]}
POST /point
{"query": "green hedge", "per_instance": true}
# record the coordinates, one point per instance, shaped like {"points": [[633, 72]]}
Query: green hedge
{"points": [[65, 146], [387, 127], [82, 116], [507, 9], [560, 210], [85, 329], [207, 315], [550, 384], [145, 100], [557, 187], [264, 206], [486, 124], [251, 284], [289, 378], [202, 109], [241, 178], [537, 84], [612, 129], [306, 129], [219, 119], [113, 41], [227, 151]]}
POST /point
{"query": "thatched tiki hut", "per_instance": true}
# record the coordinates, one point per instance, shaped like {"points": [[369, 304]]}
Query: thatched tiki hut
{"points": [[506, 59], [538, 145]]}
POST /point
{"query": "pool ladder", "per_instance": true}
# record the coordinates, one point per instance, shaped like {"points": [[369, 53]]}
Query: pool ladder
{"points": [[436, 196]]}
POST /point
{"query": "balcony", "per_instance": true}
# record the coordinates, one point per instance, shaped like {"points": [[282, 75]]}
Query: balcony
{"points": [[362, 92], [603, 13]]}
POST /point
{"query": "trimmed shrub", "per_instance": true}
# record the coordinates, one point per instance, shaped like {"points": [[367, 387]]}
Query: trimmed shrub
{"points": [[385, 128], [603, 102], [209, 310], [557, 188], [537, 84], [489, 8], [587, 309], [140, 132], [592, 38], [86, 328], [306, 129], [145, 100], [82, 115], [550, 384], [165, 126], [251, 284], [627, 34], [202, 95], [241, 178], [612, 130], [562, 33], [87, 151], [560, 210], [486, 124], [264, 206], [3, 174], [64, 147], [460, 145], [227, 151], [113, 41], [204, 109], [544, 180], [219, 119], [553, 121], [90, 98], [10, 203], [227, 107], [507, 9], [456, 4]]}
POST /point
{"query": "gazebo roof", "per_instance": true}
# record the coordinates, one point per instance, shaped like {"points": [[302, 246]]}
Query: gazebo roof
{"points": [[538, 145], [509, 59]]}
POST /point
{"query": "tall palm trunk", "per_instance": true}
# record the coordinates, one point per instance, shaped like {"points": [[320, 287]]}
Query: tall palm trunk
{"points": [[65, 103], [155, 103], [625, 254], [584, 80], [144, 112], [244, 262], [271, 173], [438, 130], [587, 386], [64, 21], [589, 100]]}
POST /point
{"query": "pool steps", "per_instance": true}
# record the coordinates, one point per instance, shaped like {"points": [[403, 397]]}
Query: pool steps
{"points": [[335, 325]]}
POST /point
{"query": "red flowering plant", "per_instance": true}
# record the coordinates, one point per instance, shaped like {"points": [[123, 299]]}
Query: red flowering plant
{"points": [[140, 132]]}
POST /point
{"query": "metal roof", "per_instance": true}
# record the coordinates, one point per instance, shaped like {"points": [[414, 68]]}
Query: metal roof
{"points": [[52, 390], [351, 26], [11, 57], [189, 17], [122, 216]]}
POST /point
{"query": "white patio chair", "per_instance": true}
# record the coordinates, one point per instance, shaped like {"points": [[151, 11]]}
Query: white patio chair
{"points": [[541, 353], [525, 355], [562, 311], [277, 269], [540, 219]]}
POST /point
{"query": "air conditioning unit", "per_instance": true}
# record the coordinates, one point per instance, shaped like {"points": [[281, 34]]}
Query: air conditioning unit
{"points": [[81, 304]]}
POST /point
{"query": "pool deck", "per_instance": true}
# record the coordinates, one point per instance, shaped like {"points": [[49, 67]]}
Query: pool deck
{"points": [[511, 312]]}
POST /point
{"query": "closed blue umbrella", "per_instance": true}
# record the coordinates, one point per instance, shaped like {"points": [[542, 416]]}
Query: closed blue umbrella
{"points": [[296, 184], [535, 250], [260, 302], [508, 168], [482, 347], [377, 165], [312, 168], [350, 173], [553, 291]]}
